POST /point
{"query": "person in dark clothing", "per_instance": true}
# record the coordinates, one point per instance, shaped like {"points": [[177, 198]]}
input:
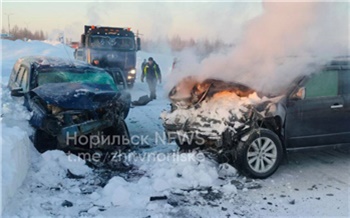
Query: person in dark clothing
{"points": [[152, 73], [96, 63]]}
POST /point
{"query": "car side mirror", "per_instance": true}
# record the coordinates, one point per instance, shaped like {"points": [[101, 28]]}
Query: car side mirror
{"points": [[299, 94], [17, 92], [138, 42]]}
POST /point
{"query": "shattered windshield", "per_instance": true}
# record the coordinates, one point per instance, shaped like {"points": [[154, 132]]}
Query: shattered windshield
{"points": [[114, 42], [74, 76]]}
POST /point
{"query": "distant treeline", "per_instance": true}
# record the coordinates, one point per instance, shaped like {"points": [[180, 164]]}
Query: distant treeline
{"points": [[202, 47], [24, 33]]}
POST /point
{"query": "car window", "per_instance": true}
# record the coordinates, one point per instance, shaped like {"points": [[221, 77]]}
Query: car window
{"points": [[324, 84], [16, 67], [119, 80], [345, 81], [15, 71], [24, 81], [20, 76], [100, 41]]}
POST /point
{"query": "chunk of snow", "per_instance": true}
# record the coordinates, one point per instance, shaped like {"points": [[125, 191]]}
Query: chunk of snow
{"points": [[226, 170], [229, 189]]}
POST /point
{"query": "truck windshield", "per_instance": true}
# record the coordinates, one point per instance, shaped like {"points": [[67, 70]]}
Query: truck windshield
{"points": [[112, 42], [86, 76]]}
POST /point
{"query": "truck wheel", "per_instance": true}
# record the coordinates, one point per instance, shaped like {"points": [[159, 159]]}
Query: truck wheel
{"points": [[43, 141], [259, 156]]}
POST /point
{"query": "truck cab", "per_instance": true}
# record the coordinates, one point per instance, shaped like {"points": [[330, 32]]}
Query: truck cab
{"points": [[112, 48]]}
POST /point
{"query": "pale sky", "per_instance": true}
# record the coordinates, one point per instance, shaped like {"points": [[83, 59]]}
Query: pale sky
{"points": [[153, 19]]}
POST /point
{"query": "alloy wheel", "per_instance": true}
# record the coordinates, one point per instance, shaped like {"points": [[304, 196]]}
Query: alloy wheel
{"points": [[262, 155]]}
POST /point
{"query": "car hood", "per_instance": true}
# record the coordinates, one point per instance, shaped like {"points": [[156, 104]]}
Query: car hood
{"points": [[191, 91], [77, 96]]}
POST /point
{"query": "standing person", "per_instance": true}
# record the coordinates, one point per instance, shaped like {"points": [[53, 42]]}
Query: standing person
{"points": [[174, 64], [152, 73], [96, 62]]}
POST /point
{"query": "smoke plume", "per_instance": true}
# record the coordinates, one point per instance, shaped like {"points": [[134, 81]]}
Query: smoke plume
{"points": [[285, 41]]}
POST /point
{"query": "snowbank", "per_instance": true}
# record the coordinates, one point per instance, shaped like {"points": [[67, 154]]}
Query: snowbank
{"points": [[165, 174], [15, 145], [53, 166], [12, 50]]}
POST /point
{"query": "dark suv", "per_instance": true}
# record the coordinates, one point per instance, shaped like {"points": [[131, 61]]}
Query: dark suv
{"points": [[313, 111], [71, 99]]}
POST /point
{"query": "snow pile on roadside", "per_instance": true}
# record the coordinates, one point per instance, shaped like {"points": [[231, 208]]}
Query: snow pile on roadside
{"points": [[165, 174], [55, 180], [221, 111], [15, 144], [12, 50], [54, 165]]}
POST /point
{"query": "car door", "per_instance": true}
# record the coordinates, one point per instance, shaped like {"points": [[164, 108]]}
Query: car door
{"points": [[318, 118], [345, 91]]}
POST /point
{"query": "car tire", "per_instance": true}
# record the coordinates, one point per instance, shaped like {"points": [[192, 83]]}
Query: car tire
{"points": [[123, 131], [43, 141], [260, 155], [127, 110]]}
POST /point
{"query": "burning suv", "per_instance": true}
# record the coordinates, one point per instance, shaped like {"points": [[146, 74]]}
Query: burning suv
{"points": [[69, 100], [253, 131]]}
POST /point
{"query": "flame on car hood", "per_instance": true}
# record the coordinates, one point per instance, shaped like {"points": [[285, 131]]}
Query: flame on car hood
{"points": [[191, 91]]}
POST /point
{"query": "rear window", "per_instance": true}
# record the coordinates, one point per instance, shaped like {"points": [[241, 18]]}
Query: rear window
{"points": [[324, 84]]}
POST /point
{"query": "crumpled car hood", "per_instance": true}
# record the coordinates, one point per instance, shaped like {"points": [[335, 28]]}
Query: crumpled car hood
{"points": [[77, 96], [191, 91]]}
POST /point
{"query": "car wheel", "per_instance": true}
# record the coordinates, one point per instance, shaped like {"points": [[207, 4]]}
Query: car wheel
{"points": [[43, 141], [259, 156], [123, 132], [127, 110]]}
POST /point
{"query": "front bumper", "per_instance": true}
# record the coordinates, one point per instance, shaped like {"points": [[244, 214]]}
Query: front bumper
{"points": [[191, 133], [69, 133]]}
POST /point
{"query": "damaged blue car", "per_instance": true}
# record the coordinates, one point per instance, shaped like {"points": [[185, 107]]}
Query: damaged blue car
{"points": [[75, 106]]}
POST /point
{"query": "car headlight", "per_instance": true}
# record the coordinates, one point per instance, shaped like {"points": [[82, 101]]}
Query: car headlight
{"points": [[133, 72]]}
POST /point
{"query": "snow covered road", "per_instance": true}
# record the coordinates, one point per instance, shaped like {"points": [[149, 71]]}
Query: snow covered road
{"points": [[310, 184]]}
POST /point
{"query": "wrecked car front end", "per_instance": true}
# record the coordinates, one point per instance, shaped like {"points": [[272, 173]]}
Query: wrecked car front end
{"points": [[215, 115], [67, 111]]}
